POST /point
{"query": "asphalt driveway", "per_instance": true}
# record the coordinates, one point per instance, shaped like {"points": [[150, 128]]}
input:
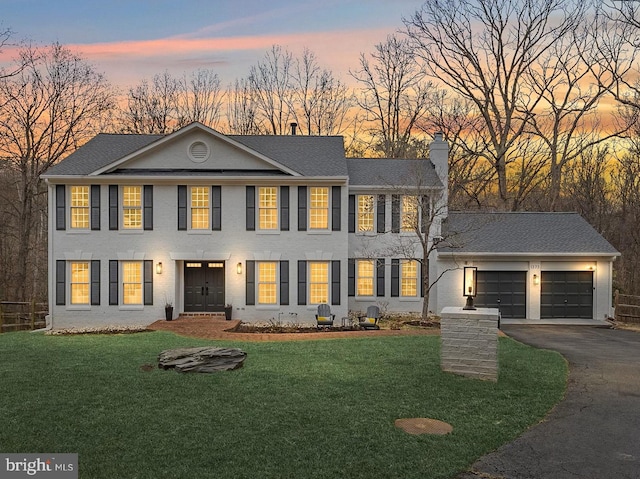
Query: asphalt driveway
{"points": [[595, 431]]}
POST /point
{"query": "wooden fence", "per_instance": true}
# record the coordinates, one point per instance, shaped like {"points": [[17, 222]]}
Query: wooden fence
{"points": [[18, 316], [627, 308]]}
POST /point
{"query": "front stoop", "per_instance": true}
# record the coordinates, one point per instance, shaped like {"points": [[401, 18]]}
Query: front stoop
{"points": [[208, 315]]}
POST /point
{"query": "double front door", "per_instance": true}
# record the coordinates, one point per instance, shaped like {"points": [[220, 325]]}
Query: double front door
{"points": [[203, 286]]}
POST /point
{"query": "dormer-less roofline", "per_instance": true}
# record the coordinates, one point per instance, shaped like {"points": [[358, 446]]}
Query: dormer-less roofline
{"points": [[183, 131]]}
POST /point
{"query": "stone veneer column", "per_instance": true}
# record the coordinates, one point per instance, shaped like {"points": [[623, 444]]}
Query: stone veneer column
{"points": [[469, 342]]}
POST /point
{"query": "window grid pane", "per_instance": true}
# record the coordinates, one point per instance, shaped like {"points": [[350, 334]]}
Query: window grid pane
{"points": [[80, 283], [268, 208], [200, 208], [267, 287], [409, 276], [132, 207], [132, 282], [409, 213], [319, 208], [365, 213], [365, 277], [79, 207], [318, 283]]}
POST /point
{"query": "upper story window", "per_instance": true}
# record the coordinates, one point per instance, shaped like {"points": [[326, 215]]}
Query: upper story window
{"points": [[79, 209], [80, 281], [132, 207], [409, 278], [132, 282], [267, 282], [268, 208], [319, 208], [409, 213], [200, 207], [365, 216]]}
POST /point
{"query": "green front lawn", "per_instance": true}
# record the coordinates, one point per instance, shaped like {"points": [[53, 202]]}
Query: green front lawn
{"points": [[302, 409]]}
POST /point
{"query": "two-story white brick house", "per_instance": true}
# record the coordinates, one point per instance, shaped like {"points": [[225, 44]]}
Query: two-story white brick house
{"points": [[272, 225], [202, 220]]}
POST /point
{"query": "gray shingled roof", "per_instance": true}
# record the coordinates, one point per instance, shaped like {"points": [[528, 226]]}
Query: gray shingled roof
{"points": [[307, 155], [102, 150], [522, 232], [392, 172]]}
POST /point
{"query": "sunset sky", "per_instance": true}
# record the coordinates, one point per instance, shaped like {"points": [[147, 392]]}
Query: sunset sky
{"points": [[133, 39]]}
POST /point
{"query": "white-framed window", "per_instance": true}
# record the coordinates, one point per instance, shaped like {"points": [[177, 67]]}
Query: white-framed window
{"points": [[365, 217], [267, 282], [132, 207], [132, 277], [318, 282], [409, 213], [319, 208], [409, 278], [268, 208], [79, 209], [200, 208], [365, 275], [79, 284]]}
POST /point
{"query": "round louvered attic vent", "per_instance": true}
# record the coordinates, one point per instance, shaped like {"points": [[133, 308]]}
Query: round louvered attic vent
{"points": [[198, 151]]}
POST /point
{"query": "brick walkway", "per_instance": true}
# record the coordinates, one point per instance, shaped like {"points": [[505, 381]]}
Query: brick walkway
{"points": [[208, 328]]}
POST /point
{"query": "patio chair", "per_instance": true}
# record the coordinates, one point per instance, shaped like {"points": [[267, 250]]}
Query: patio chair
{"points": [[370, 320], [324, 316]]}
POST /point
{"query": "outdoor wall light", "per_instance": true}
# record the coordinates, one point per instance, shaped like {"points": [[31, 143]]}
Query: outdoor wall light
{"points": [[536, 279], [159, 268], [239, 268], [470, 284]]}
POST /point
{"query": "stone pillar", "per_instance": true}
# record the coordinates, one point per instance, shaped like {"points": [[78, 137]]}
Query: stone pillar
{"points": [[469, 342]]}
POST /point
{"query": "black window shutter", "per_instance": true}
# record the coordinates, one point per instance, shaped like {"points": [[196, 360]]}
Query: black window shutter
{"points": [[336, 207], [113, 207], [302, 211], [148, 281], [380, 277], [147, 202], [113, 281], [422, 271], [395, 277], [284, 282], [95, 207], [424, 214], [251, 208], [95, 282], [302, 282], [182, 207], [351, 273], [284, 209], [395, 213], [352, 213], [60, 208], [380, 213], [216, 209], [61, 269], [250, 282], [335, 282]]}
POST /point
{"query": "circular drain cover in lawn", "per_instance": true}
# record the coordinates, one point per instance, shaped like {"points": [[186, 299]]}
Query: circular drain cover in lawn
{"points": [[423, 425]]}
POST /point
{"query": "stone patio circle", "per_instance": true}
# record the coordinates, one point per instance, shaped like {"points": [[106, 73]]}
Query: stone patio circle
{"points": [[423, 425]]}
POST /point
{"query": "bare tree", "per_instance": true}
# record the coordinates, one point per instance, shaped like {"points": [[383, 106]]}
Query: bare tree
{"points": [[394, 95], [484, 50], [242, 109], [200, 98], [47, 111]]}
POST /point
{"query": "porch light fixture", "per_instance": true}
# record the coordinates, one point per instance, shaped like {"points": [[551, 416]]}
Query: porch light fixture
{"points": [[470, 284], [536, 279], [159, 268], [239, 268]]}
